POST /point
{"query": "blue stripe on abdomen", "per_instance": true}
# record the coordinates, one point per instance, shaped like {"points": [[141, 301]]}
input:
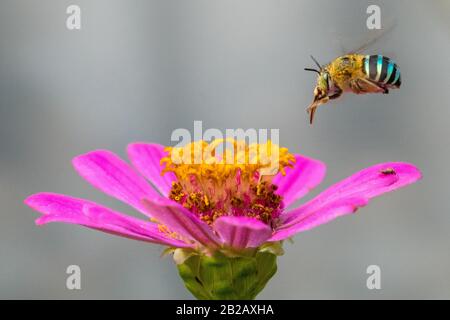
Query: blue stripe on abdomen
{"points": [[389, 71], [379, 67], [397, 78], [366, 65], [382, 70]]}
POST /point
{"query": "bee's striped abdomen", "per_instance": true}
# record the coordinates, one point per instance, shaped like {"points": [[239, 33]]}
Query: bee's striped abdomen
{"points": [[381, 69]]}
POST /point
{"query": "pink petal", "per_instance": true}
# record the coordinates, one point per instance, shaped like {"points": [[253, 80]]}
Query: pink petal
{"points": [[321, 216], [146, 158], [346, 196], [181, 221], [242, 232], [107, 172], [66, 209], [298, 181]]}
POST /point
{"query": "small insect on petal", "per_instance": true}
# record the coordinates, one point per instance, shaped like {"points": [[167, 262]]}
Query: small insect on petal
{"points": [[388, 171]]}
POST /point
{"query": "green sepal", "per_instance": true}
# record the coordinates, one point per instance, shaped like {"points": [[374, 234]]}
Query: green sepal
{"points": [[275, 248], [167, 251], [225, 277]]}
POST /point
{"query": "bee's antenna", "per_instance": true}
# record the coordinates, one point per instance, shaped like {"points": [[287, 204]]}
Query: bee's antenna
{"points": [[317, 63], [314, 70]]}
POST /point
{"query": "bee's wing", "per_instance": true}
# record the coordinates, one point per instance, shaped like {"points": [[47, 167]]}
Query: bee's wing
{"points": [[376, 35]]}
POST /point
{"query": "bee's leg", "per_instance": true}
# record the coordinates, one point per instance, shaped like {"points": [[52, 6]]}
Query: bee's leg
{"points": [[361, 85], [311, 110], [337, 94], [381, 87], [355, 87]]}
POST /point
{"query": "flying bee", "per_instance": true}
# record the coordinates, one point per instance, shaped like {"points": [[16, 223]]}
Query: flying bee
{"points": [[355, 73]]}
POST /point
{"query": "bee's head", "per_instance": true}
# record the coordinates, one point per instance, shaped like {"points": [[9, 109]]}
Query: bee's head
{"points": [[321, 89], [322, 86]]}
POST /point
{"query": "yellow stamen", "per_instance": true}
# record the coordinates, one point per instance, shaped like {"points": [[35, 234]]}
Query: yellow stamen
{"points": [[201, 159], [236, 181]]}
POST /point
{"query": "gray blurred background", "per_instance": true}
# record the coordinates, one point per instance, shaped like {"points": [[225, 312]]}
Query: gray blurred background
{"points": [[139, 69]]}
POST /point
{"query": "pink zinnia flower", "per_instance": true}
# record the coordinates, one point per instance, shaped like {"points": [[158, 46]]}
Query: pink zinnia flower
{"points": [[227, 213]]}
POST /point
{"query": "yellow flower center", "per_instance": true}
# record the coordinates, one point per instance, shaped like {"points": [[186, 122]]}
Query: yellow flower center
{"points": [[236, 181]]}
